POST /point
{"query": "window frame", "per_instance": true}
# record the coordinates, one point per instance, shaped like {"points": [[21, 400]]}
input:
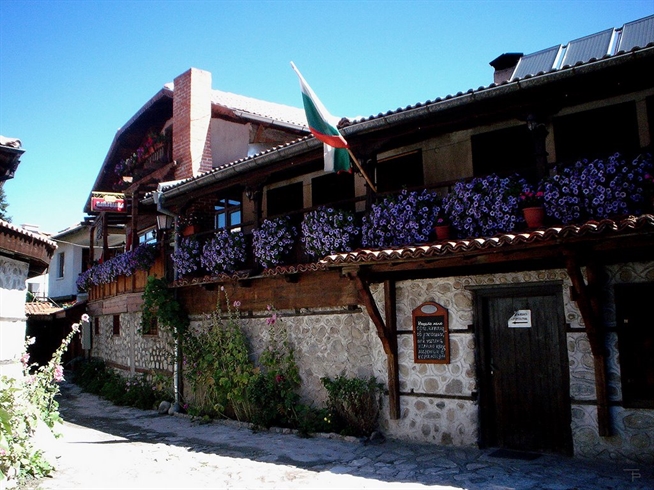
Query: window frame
{"points": [[226, 208], [116, 326], [61, 265], [633, 340]]}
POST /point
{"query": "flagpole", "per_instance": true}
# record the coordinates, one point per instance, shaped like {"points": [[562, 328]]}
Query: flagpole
{"points": [[365, 175]]}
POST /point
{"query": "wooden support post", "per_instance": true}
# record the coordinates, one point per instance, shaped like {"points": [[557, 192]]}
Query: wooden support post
{"points": [[389, 342], [588, 302], [392, 362]]}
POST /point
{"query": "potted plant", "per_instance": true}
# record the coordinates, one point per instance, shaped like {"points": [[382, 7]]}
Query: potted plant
{"points": [[224, 252], [273, 241], [442, 228], [186, 259], [329, 230], [403, 219], [600, 189], [485, 206], [531, 202]]}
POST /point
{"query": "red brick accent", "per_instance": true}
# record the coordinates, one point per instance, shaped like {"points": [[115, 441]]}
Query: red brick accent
{"points": [[191, 123]]}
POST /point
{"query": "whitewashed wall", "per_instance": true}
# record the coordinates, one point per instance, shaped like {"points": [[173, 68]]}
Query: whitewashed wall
{"points": [[13, 275]]}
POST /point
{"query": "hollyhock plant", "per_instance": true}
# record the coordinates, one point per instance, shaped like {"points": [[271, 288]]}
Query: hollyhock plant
{"points": [[225, 252], [329, 230], [485, 206], [273, 241], [404, 219]]}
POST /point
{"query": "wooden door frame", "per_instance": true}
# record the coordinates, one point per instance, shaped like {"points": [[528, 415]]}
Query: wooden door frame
{"points": [[481, 293]]}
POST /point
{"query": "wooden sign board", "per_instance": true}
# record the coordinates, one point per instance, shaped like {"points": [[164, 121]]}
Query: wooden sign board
{"points": [[431, 337]]}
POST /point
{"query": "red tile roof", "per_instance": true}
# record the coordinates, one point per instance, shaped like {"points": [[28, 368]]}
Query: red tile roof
{"points": [[506, 240]]}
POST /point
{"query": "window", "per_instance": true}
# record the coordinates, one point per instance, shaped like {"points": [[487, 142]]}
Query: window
{"points": [[116, 330], [152, 328], [61, 258], [598, 133], [284, 200], [332, 188], [636, 343], [96, 324], [148, 236], [504, 152], [403, 171], [228, 214]]}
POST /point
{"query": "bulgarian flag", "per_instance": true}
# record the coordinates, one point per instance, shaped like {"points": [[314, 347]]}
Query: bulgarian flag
{"points": [[323, 126]]}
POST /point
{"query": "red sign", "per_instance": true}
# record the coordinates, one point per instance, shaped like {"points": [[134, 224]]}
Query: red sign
{"points": [[108, 201]]}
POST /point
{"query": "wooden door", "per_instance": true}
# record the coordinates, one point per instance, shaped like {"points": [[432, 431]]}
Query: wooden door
{"points": [[523, 367]]}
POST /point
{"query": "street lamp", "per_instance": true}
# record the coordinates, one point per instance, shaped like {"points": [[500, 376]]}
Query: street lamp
{"points": [[164, 222]]}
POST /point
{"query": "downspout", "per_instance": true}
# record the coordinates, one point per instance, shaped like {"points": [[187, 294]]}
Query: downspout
{"points": [[158, 199]]}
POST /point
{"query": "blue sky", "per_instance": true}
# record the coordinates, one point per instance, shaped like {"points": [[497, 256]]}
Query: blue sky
{"points": [[73, 72]]}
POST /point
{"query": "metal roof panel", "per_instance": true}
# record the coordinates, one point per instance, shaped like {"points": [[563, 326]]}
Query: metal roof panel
{"points": [[541, 61], [595, 46], [638, 33]]}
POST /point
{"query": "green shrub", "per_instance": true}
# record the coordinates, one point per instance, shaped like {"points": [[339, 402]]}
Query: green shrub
{"points": [[142, 391], [273, 391], [354, 403]]}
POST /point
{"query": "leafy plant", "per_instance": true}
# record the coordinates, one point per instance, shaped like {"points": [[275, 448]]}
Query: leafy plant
{"points": [[485, 205], [273, 241], [273, 391], [329, 230], [403, 219], [186, 259], [218, 366], [125, 264], [598, 189], [23, 403], [355, 403], [143, 391], [160, 304], [225, 252]]}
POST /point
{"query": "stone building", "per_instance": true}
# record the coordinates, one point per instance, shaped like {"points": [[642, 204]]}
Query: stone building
{"points": [[533, 337]]}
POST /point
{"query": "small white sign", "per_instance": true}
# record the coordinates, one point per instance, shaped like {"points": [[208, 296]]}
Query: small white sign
{"points": [[520, 319]]}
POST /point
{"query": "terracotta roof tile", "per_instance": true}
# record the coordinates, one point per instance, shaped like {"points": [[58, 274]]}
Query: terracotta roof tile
{"points": [[450, 247], [41, 308]]}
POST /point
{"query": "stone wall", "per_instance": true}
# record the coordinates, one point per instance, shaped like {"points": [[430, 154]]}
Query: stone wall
{"points": [[633, 429], [131, 351], [438, 403]]}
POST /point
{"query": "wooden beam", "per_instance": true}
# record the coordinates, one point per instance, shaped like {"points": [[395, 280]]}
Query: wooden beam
{"points": [[387, 335], [368, 301], [392, 358], [589, 307]]}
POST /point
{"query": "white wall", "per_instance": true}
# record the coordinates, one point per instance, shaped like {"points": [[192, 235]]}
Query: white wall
{"points": [[13, 275]]}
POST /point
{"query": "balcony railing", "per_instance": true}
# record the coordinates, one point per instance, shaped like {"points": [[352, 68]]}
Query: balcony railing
{"points": [[127, 284]]}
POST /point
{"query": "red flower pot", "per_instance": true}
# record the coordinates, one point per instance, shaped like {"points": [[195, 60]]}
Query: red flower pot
{"points": [[534, 217], [442, 232]]}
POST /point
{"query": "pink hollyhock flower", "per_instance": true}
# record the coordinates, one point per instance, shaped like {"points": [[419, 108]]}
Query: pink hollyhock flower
{"points": [[59, 373]]}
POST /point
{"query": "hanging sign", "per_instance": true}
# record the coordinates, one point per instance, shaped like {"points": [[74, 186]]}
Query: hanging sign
{"points": [[520, 319], [431, 336], [113, 202]]}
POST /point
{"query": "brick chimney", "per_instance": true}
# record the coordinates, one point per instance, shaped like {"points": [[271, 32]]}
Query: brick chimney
{"points": [[191, 123], [505, 66]]}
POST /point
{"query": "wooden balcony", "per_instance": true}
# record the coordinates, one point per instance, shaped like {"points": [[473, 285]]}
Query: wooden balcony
{"points": [[127, 284]]}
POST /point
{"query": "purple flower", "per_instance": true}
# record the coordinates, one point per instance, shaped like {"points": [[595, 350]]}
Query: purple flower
{"points": [[327, 230], [273, 241], [225, 252]]}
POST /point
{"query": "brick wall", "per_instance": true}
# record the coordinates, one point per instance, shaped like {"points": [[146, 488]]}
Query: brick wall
{"points": [[191, 123]]}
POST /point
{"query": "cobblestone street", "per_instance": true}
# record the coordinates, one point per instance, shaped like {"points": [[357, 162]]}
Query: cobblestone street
{"points": [[108, 447]]}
